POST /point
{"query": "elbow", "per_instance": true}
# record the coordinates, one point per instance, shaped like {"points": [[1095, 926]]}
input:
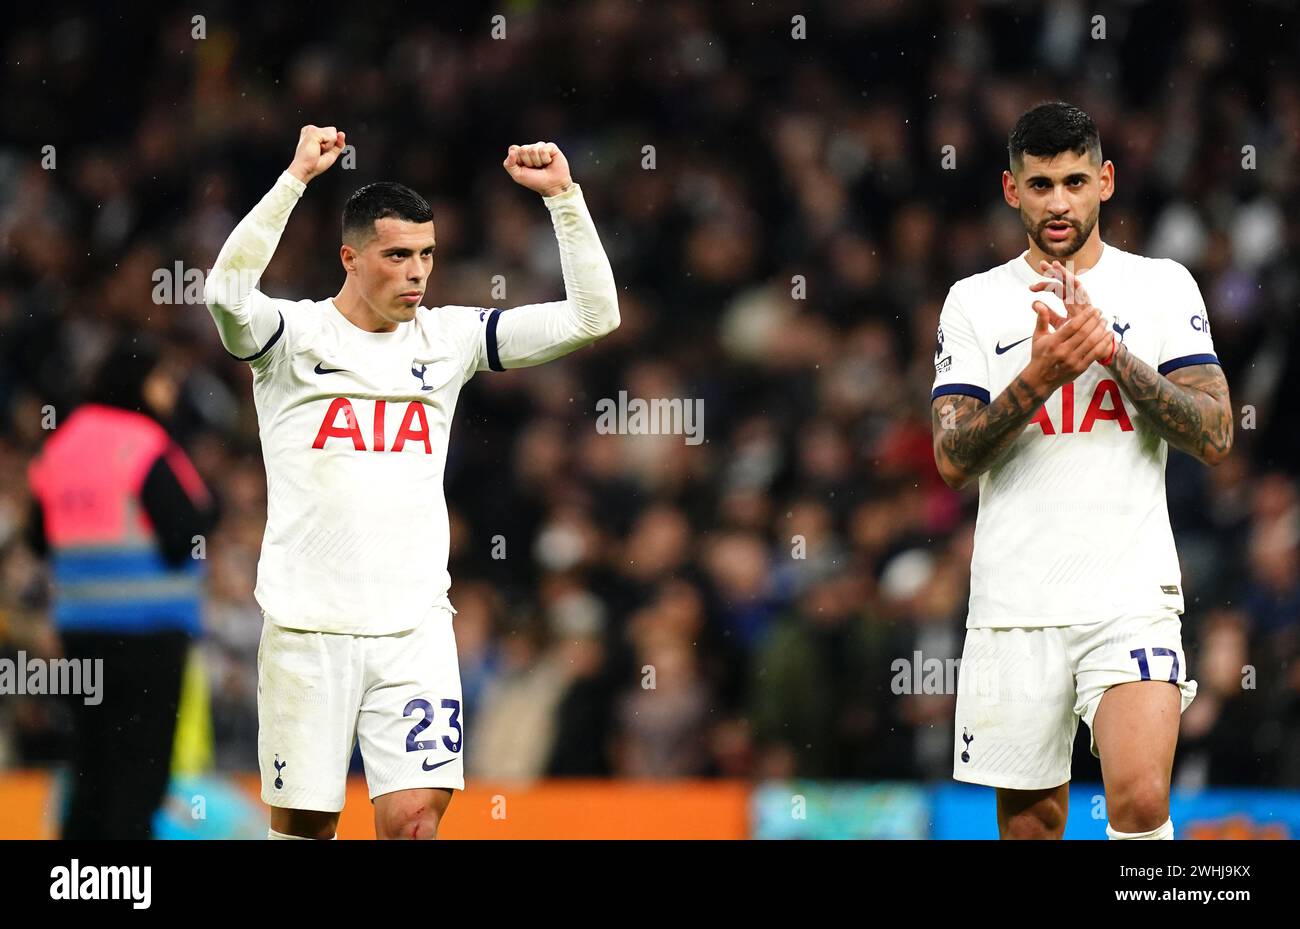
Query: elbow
{"points": [[956, 480], [213, 291], [1216, 453], [953, 476], [609, 318], [1215, 456], [226, 288], [612, 322]]}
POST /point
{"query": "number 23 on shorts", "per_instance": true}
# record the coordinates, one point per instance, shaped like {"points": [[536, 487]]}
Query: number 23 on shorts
{"points": [[415, 744]]}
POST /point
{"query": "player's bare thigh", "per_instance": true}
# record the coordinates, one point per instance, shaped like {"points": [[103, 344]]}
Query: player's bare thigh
{"points": [[309, 824], [1136, 731], [410, 814], [1033, 814]]}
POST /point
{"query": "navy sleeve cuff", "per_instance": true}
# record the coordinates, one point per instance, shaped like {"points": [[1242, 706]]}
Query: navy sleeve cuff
{"points": [[265, 348], [494, 359], [1174, 364], [966, 390]]}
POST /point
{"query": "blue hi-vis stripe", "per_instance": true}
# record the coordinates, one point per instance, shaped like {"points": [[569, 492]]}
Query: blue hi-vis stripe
{"points": [[125, 590], [111, 564], [1174, 364], [967, 390]]}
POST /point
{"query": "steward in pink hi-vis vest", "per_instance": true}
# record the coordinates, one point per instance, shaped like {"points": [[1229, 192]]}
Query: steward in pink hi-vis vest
{"points": [[109, 573]]}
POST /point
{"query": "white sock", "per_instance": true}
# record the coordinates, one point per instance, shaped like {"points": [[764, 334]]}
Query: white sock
{"points": [[1160, 832], [272, 834]]}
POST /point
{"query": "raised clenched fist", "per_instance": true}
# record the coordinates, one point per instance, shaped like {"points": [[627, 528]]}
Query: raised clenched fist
{"points": [[541, 167], [318, 148]]}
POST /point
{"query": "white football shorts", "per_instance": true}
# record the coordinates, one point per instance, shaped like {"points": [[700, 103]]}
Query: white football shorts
{"points": [[1022, 691], [318, 692]]}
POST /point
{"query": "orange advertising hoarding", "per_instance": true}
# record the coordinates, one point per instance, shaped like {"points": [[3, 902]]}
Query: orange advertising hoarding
{"points": [[549, 810]]}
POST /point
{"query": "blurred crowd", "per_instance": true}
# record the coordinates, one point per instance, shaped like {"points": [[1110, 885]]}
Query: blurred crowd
{"points": [[783, 233]]}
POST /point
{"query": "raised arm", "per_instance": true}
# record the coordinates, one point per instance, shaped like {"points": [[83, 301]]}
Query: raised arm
{"points": [[245, 318], [530, 335]]}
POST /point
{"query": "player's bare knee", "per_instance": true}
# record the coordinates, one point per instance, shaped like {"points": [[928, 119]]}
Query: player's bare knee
{"points": [[1032, 815], [413, 814], [1139, 806], [426, 827], [1035, 824], [411, 821]]}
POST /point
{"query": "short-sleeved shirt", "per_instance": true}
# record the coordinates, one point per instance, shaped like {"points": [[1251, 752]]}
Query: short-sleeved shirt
{"points": [[1073, 526]]}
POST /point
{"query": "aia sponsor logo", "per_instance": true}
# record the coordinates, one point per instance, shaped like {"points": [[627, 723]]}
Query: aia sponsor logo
{"points": [[342, 423], [1106, 404]]}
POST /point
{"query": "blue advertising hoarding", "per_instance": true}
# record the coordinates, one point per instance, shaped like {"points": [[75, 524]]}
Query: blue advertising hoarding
{"points": [[826, 810]]}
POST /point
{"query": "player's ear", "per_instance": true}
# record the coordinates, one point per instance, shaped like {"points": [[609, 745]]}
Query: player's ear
{"points": [[348, 256], [1107, 179], [1009, 191]]}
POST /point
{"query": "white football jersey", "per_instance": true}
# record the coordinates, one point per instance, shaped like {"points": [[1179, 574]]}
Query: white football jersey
{"points": [[354, 428], [354, 424], [1073, 526]]}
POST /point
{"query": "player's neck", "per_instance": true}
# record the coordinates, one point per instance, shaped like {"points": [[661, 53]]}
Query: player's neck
{"points": [[1080, 261], [358, 312]]}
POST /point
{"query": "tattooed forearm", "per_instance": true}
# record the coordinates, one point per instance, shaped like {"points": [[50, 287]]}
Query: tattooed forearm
{"points": [[970, 436], [1189, 408]]}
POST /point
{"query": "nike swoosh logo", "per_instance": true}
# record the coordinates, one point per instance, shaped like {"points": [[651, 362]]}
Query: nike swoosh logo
{"points": [[1000, 348], [320, 370], [430, 767]]}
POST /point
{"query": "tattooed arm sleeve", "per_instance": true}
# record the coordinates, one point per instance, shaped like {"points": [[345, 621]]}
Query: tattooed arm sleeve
{"points": [[1184, 397], [1189, 407], [972, 429], [970, 435]]}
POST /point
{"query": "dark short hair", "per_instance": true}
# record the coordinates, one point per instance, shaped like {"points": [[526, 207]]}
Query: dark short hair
{"points": [[1051, 128], [379, 201]]}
